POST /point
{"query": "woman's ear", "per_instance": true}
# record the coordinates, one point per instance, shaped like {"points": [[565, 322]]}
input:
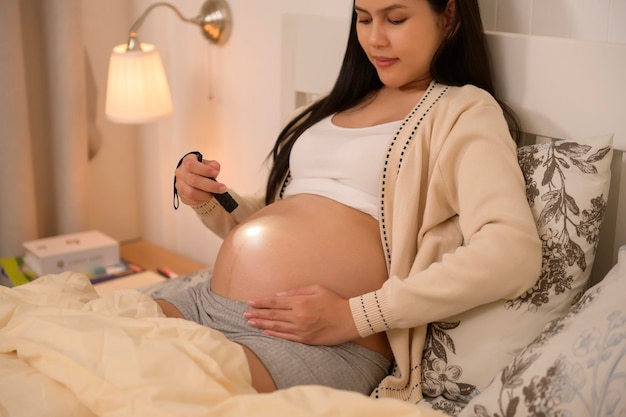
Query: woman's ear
{"points": [[451, 23]]}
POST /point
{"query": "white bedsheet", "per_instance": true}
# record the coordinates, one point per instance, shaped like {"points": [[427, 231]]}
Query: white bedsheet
{"points": [[65, 351]]}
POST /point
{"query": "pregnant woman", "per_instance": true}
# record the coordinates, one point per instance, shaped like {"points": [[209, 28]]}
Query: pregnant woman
{"points": [[394, 201]]}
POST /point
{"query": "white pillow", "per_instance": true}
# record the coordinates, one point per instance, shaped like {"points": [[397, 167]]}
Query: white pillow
{"points": [[575, 367]]}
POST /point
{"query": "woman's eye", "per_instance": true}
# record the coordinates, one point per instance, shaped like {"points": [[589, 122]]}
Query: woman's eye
{"points": [[396, 21]]}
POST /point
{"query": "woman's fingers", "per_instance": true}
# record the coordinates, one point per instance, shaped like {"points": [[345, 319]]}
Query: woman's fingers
{"points": [[312, 315], [194, 180]]}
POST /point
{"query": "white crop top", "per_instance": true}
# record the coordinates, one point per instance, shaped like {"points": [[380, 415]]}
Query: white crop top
{"points": [[341, 163]]}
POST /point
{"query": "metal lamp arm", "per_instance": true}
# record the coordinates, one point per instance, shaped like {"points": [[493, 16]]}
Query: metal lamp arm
{"points": [[135, 27], [214, 20]]}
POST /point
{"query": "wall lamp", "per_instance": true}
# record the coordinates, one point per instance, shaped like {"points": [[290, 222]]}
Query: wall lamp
{"points": [[137, 88]]}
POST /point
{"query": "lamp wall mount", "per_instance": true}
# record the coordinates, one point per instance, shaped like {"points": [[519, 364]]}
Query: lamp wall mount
{"points": [[214, 19]]}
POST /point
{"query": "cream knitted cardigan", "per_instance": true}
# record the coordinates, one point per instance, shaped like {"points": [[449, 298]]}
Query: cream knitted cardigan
{"points": [[454, 222]]}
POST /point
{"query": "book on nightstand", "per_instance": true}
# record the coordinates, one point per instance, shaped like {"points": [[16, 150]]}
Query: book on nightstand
{"points": [[119, 270], [14, 271], [77, 252], [137, 281]]}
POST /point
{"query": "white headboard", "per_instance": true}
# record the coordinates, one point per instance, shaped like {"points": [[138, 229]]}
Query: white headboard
{"points": [[559, 88], [569, 89]]}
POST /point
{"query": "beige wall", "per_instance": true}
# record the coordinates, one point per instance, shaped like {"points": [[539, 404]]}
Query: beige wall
{"points": [[593, 20], [113, 179]]}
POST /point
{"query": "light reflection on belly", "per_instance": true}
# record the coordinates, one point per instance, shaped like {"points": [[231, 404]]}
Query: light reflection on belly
{"points": [[302, 240]]}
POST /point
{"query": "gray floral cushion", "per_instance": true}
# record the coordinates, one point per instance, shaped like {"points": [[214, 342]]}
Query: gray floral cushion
{"points": [[567, 186], [575, 367]]}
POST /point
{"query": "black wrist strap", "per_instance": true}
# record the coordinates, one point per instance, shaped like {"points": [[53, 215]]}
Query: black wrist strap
{"points": [[176, 199], [226, 200]]}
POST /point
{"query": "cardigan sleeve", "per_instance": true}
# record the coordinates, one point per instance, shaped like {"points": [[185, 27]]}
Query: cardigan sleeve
{"points": [[219, 221], [485, 249]]}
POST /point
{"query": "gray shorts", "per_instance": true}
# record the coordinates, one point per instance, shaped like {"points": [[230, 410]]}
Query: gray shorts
{"points": [[347, 366]]}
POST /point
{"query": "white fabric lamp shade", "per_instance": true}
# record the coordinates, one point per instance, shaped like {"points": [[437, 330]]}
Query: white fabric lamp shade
{"points": [[137, 88]]}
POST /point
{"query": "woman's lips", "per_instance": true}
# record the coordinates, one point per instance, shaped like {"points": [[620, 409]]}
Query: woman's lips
{"points": [[383, 62]]}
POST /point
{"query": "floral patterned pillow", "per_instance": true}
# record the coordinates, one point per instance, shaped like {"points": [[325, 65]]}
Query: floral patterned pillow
{"points": [[575, 367], [567, 187], [568, 225]]}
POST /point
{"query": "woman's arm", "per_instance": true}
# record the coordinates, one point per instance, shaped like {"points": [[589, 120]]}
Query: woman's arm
{"points": [[196, 185]]}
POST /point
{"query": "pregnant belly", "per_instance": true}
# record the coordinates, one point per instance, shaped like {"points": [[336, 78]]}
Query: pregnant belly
{"points": [[302, 240], [299, 241]]}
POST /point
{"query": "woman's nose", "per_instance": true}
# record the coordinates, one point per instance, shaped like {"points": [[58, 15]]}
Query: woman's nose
{"points": [[377, 36]]}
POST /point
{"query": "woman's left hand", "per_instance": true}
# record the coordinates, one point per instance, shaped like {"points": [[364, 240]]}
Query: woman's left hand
{"points": [[313, 315]]}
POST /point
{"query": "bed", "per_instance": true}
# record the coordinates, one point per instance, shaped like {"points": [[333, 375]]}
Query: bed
{"points": [[65, 351]]}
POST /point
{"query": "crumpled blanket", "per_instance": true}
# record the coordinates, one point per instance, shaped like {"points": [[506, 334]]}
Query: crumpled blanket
{"points": [[65, 351]]}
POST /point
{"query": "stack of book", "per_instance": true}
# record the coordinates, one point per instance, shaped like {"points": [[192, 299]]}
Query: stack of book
{"points": [[14, 271], [92, 253]]}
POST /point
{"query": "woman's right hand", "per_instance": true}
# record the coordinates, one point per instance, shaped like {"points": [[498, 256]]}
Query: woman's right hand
{"points": [[194, 183]]}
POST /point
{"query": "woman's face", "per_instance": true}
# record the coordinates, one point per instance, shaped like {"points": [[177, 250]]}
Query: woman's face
{"points": [[400, 38]]}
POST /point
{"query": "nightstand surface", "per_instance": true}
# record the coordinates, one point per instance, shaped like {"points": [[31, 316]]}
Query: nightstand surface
{"points": [[153, 257]]}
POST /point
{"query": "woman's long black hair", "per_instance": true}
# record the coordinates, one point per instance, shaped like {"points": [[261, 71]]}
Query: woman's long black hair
{"points": [[461, 59]]}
